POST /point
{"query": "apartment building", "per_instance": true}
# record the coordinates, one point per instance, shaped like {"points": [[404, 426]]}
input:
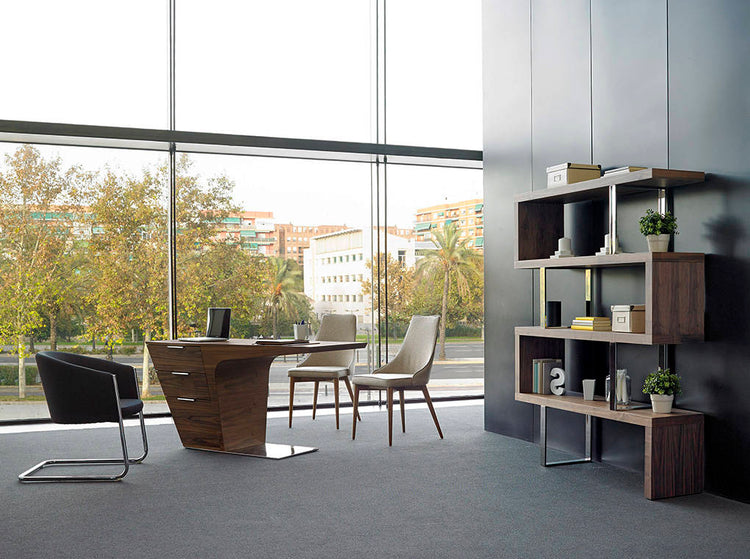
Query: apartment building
{"points": [[468, 216], [294, 239]]}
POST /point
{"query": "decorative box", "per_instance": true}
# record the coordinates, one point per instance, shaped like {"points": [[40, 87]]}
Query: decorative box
{"points": [[568, 173], [629, 318]]}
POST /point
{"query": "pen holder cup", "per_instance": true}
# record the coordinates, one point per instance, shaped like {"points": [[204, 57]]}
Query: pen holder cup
{"points": [[301, 331]]}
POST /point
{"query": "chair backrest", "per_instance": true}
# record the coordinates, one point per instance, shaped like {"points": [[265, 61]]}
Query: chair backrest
{"points": [[334, 328], [417, 352], [80, 389]]}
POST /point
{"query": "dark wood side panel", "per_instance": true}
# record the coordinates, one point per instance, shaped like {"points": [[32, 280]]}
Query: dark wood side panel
{"points": [[528, 349], [539, 226], [674, 460], [676, 291]]}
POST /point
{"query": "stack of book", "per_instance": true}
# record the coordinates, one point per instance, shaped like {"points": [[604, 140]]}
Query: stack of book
{"points": [[598, 323], [541, 374]]}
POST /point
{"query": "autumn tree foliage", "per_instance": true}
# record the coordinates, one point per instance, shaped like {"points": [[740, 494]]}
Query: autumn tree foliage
{"points": [[38, 201]]}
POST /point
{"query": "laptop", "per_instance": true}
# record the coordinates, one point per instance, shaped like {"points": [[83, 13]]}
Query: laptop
{"points": [[217, 326]]}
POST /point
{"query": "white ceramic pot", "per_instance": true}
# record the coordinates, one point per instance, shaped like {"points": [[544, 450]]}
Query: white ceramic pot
{"points": [[662, 403], [658, 243]]}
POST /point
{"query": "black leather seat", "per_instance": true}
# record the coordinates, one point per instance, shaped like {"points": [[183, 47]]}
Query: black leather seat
{"points": [[82, 389]]}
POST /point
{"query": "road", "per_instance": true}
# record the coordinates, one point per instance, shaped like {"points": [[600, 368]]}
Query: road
{"points": [[463, 360], [462, 373]]}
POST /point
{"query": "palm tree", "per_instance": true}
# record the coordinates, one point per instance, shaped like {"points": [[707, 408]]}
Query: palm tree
{"points": [[451, 258], [285, 291]]}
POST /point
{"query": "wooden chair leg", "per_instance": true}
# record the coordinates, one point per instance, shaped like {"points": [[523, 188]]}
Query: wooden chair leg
{"points": [[349, 388], [315, 397], [432, 410], [291, 400], [355, 405], [390, 417], [403, 417], [336, 399]]}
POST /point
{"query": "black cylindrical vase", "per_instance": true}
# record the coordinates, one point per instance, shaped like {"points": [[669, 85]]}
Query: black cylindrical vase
{"points": [[554, 309]]}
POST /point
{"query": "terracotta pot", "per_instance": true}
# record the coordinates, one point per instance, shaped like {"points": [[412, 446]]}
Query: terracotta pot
{"points": [[662, 403], [658, 243]]}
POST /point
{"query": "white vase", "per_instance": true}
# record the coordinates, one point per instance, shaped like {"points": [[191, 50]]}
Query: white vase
{"points": [[658, 243], [662, 403]]}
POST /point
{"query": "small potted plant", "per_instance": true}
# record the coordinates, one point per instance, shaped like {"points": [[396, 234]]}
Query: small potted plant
{"points": [[657, 228], [662, 385]]}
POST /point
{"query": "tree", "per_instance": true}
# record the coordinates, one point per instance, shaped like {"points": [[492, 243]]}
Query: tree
{"points": [[398, 280], [284, 290], [451, 259], [225, 276], [35, 235]]}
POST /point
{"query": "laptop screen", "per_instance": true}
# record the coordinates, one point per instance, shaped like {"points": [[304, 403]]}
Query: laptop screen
{"points": [[218, 323]]}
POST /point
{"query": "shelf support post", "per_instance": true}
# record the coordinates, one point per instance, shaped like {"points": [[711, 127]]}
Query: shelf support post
{"points": [[542, 297], [612, 376], [612, 244], [543, 441]]}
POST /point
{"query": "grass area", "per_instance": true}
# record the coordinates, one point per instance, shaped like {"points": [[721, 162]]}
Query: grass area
{"points": [[30, 398]]}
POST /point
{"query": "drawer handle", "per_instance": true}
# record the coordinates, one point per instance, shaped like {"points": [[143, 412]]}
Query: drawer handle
{"points": [[175, 347], [181, 374], [186, 399]]}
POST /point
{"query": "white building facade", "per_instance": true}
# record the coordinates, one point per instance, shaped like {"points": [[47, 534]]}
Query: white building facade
{"points": [[336, 266]]}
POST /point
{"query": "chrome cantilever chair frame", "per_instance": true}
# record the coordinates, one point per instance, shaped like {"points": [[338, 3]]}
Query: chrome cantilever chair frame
{"points": [[28, 475]]}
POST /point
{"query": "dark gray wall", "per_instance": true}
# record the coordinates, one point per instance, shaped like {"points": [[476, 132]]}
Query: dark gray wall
{"points": [[644, 82]]}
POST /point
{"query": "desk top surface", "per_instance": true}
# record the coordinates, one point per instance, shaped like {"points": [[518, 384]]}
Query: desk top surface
{"points": [[251, 348]]}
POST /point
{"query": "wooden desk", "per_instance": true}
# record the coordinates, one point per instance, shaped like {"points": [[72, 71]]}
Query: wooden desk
{"points": [[218, 392]]}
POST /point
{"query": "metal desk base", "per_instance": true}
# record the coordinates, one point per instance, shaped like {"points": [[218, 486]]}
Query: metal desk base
{"points": [[271, 451]]}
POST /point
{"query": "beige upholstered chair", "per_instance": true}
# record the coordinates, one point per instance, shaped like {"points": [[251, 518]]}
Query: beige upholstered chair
{"points": [[409, 370], [329, 366]]}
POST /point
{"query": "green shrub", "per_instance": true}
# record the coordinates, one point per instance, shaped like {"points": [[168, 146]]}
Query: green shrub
{"points": [[9, 375]]}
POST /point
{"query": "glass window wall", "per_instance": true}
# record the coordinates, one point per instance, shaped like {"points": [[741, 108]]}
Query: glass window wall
{"points": [[83, 261]]}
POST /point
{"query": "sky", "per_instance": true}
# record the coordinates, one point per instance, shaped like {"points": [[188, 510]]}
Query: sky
{"points": [[289, 68]]}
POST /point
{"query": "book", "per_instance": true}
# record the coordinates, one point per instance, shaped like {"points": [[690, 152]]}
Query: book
{"points": [[622, 170], [593, 318], [541, 374], [591, 322], [607, 328]]}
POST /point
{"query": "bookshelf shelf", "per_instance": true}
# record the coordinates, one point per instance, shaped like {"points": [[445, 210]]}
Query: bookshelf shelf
{"points": [[674, 314]]}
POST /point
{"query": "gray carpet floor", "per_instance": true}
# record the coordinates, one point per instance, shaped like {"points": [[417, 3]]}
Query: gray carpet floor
{"points": [[474, 494]]}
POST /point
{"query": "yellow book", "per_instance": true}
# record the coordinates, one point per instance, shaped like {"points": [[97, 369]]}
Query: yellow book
{"points": [[591, 328]]}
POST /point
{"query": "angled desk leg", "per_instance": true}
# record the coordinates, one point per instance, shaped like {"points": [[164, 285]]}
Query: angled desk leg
{"points": [[543, 441], [242, 392]]}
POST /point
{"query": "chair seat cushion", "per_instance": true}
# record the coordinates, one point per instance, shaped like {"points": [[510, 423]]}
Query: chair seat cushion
{"points": [[384, 380], [319, 372], [130, 406]]}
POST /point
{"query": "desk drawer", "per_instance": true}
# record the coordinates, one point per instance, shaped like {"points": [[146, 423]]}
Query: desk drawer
{"points": [[184, 384], [176, 357], [197, 422]]}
